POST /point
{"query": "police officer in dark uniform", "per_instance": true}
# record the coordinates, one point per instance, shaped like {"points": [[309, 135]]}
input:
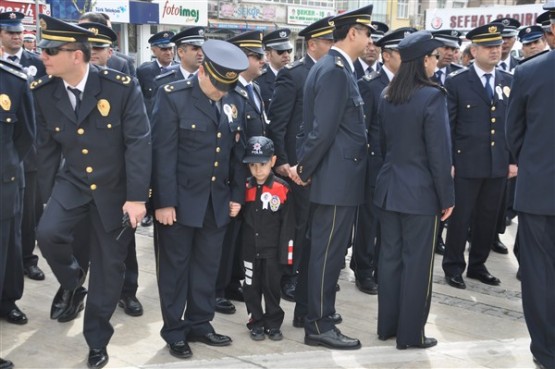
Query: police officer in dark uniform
{"points": [[543, 20], [530, 132], [97, 121], [254, 117], [17, 132], [278, 54], [333, 158], [368, 63], [366, 243], [162, 47], [532, 40], [510, 30], [477, 100], [286, 116], [195, 129], [11, 30]]}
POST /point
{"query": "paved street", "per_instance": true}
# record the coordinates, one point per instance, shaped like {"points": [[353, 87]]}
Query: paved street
{"points": [[480, 327]]}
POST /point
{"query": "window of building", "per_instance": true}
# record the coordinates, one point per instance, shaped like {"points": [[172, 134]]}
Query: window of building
{"points": [[402, 9]]}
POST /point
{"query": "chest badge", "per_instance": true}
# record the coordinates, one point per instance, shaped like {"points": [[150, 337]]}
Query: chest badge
{"points": [[5, 102], [103, 107], [274, 203], [507, 91]]}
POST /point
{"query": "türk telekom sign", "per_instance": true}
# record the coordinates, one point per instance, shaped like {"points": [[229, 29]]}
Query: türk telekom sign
{"points": [[184, 13], [468, 18], [25, 7]]}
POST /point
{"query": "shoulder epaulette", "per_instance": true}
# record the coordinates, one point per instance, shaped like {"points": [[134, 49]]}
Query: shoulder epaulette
{"points": [[115, 76], [16, 72], [178, 85], [339, 62], [522, 61], [241, 91], [164, 75], [457, 66], [441, 88], [457, 72], [44, 80], [264, 70], [296, 63]]}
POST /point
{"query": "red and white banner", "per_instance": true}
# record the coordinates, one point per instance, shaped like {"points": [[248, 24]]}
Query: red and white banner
{"points": [[25, 7]]}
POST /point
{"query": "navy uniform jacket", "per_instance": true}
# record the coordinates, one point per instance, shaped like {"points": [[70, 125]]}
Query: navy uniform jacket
{"points": [[449, 69], [129, 60], [254, 119], [146, 74], [286, 110], [334, 153], [371, 88], [192, 152], [118, 63], [477, 125], [267, 81], [416, 145], [531, 133], [173, 74], [17, 131], [32, 64], [106, 150]]}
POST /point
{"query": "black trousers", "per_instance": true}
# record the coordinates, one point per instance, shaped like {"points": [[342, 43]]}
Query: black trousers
{"points": [[55, 235], [13, 268], [537, 266], [367, 240], [330, 231], [231, 265], [263, 278], [477, 205], [405, 274], [188, 262], [6, 228], [32, 210]]}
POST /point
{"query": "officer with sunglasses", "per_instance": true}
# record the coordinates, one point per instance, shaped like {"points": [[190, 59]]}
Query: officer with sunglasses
{"points": [[278, 55]]}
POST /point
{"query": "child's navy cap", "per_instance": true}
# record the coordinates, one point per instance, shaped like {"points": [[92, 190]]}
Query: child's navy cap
{"points": [[260, 149]]}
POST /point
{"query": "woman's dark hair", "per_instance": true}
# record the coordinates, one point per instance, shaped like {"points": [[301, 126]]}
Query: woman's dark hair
{"points": [[411, 76]]}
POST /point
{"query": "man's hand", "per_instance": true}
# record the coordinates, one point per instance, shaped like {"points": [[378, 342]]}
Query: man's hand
{"points": [[234, 209], [513, 171], [136, 211], [283, 170], [166, 216], [294, 175], [446, 213]]}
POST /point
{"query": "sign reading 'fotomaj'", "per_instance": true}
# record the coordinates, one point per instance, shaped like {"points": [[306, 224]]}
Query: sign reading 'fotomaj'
{"points": [[184, 13], [469, 18], [298, 15], [117, 10]]}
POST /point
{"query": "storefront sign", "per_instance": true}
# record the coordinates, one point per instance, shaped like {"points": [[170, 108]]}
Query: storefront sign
{"points": [[306, 16], [118, 11], [184, 13], [25, 7], [250, 11], [469, 18]]}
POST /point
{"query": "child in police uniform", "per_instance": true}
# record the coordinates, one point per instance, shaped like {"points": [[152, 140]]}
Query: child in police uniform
{"points": [[267, 239]]}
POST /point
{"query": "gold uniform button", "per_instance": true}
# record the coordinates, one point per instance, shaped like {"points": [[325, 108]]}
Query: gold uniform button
{"points": [[493, 144], [8, 120], [108, 125], [80, 131], [214, 179], [219, 135], [493, 108], [84, 151], [493, 131], [193, 126], [57, 129], [12, 179], [216, 164], [89, 169], [93, 187], [218, 149], [493, 120], [468, 106], [458, 151]]}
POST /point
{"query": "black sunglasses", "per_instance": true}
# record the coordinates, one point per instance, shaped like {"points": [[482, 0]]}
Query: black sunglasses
{"points": [[256, 56], [288, 51], [52, 51]]}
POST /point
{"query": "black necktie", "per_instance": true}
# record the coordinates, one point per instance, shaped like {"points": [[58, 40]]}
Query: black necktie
{"points": [[77, 94], [13, 58], [250, 92], [439, 73], [217, 105], [489, 91], [503, 66]]}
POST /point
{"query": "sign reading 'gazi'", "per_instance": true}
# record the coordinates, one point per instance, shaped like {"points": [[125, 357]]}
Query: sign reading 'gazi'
{"points": [[185, 13]]}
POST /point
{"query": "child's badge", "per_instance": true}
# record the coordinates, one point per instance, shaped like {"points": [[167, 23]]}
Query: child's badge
{"points": [[103, 107], [274, 203], [266, 197], [5, 102]]}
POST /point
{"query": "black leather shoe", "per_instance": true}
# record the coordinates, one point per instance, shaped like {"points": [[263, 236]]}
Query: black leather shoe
{"points": [[257, 334], [224, 306], [367, 285], [518, 274], [484, 277], [33, 272], [5, 364], [75, 306], [456, 281], [98, 358], [440, 247], [274, 334], [337, 288], [508, 221], [499, 247], [385, 338], [288, 291], [15, 316], [131, 305], [428, 342], [333, 339], [180, 350], [212, 339], [298, 321], [235, 294], [147, 221]]}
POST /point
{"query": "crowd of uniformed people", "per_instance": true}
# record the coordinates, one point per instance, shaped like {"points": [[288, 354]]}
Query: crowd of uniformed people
{"points": [[258, 172]]}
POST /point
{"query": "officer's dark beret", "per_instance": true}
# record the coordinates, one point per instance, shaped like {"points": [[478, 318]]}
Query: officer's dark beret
{"points": [[249, 41], [11, 21], [449, 37], [362, 16], [278, 39], [103, 36], [418, 44], [392, 39], [380, 29], [319, 29], [260, 149], [511, 26], [486, 35], [162, 39], [223, 62], [530, 34], [191, 36], [55, 32]]}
